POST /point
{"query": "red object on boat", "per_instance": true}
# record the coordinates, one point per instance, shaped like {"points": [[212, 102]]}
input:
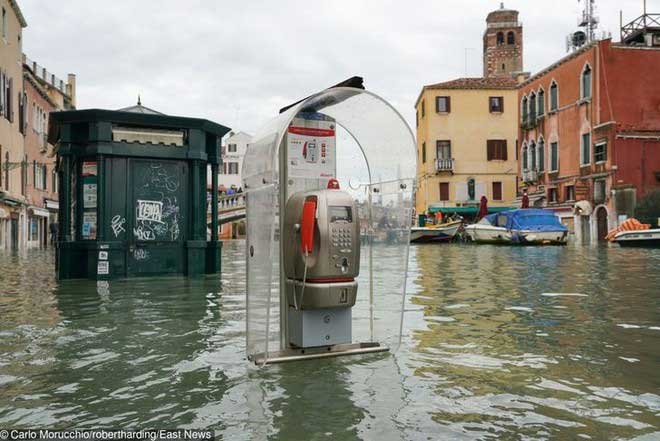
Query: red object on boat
{"points": [[333, 184], [631, 224], [483, 208]]}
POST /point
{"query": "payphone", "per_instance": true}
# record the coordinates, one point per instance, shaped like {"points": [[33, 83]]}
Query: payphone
{"points": [[321, 262]]}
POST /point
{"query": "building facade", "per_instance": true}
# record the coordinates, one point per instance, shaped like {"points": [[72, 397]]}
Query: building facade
{"points": [[233, 152], [467, 128], [43, 93], [590, 134], [466, 145], [13, 166]]}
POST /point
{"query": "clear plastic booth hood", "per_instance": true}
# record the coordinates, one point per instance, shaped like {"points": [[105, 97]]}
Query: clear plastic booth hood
{"points": [[291, 162]]}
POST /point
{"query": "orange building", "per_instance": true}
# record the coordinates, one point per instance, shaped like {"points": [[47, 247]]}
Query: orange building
{"points": [[43, 93], [590, 133]]}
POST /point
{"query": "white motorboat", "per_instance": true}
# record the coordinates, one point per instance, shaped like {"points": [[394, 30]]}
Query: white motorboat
{"points": [[639, 238], [522, 227], [435, 233]]}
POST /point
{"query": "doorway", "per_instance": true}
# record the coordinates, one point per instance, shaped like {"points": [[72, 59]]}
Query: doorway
{"points": [[601, 222]]}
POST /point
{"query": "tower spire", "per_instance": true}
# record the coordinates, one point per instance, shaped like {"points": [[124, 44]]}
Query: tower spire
{"points": [[139, 103]]}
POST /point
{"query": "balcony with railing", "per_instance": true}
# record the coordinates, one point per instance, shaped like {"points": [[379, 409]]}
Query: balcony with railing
{"points": [[530, 176], [444, 165], [634, 30], [43, 74]]}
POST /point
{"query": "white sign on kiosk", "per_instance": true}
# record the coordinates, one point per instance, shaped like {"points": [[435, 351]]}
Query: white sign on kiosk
{"points": [[317, 256]]}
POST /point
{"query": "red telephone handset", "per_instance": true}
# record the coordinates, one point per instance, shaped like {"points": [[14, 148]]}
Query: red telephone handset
{"points": [[307, 225]]}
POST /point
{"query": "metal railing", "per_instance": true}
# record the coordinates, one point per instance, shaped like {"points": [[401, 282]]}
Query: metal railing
{"points": [[639, 24], [530, 175], [48, 77], [442, 164]]}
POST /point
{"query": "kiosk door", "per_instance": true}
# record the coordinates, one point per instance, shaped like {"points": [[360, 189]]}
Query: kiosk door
{"points": [[157, 217]]}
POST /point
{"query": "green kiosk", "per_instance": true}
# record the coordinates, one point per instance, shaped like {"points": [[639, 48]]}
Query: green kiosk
{"points": [[133, 193]]}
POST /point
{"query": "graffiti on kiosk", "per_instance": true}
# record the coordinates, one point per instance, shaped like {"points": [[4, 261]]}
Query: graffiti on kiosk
{"points": [[117, 225], [140, 254], [149, 211], [162, 179]]}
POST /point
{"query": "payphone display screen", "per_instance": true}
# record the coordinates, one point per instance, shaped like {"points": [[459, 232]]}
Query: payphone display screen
{"points": [[340, 213]]}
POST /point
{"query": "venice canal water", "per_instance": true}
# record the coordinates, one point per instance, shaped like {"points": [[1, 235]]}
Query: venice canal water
{"points": [[499, 343]]}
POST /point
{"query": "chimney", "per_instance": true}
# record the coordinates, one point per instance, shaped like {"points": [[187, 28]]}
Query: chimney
{"points": [[71, 88]]}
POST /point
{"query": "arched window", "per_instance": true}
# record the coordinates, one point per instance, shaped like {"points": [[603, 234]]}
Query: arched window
{"points": [[541, 102], [532, 156], [471, 189], [511, 38], [500, 38], [541, 154], [554, 96], [586, 82], [524, 109], [524, 157], [532, 106]]}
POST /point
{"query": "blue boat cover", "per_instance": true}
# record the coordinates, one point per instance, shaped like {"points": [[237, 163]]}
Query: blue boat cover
{"points": [[529, 219]]}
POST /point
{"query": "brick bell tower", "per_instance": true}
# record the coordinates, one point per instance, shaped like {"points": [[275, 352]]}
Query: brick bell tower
{"points": [[503, 43]]}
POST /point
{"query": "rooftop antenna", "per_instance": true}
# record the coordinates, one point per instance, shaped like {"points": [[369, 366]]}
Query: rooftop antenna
{"points": [[139, 102], [589, 21]]}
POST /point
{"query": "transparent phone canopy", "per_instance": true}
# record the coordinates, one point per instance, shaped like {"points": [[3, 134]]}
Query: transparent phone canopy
{"points": [[384, 188]]}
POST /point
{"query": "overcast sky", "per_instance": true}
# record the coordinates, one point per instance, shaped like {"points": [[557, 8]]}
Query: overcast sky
{"points": [[238, 62]]}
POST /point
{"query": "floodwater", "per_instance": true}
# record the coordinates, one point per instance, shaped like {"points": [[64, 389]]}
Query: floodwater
{"points": [[499, 343]]}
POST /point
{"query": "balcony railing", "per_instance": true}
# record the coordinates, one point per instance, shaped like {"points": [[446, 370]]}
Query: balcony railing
{"points": [[530, 176], [444, 165]]}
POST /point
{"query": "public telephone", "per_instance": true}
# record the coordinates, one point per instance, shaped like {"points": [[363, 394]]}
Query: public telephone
{"points": [[321, 260]]}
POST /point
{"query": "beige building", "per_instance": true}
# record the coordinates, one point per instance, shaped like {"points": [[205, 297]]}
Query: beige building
{"points": [[467, 129], [13, 215], [466, 145]]}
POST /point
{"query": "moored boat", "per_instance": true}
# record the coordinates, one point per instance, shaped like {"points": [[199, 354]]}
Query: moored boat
{"points": [[519, 227], [435, 233], [639, 238]]}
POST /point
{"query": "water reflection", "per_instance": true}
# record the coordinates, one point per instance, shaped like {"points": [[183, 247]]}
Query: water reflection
{"points": [[536, 343]]}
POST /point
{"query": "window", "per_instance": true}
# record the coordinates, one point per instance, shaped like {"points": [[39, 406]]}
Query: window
{"points": [[541, 102], [600, 188], [496, 104], [444, 191], [232, 168], [4, 23], [496, 150], [554, 156], [541, 149], [524, 157], [423, 109], [586, 82], [554, 97], [39, 176], [532, 106], [570, 192], [523, 105], [585, 157], [552, 195], [500, 38], [423, 153], [471, 189], [231, 148], [7, 171], [600, 152], [54, 181], [532, 156], [497, 191], [510, 38], [443, 149], [442, 104]]}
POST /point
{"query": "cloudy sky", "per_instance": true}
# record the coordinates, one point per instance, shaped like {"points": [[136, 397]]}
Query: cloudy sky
{"points": [[238, 62]]}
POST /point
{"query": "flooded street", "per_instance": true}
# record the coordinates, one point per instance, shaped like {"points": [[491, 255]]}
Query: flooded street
{"points": [[499, 342]]}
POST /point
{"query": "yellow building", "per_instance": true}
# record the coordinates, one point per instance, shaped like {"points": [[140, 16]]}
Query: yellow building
{"points": [[466, 144]]}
